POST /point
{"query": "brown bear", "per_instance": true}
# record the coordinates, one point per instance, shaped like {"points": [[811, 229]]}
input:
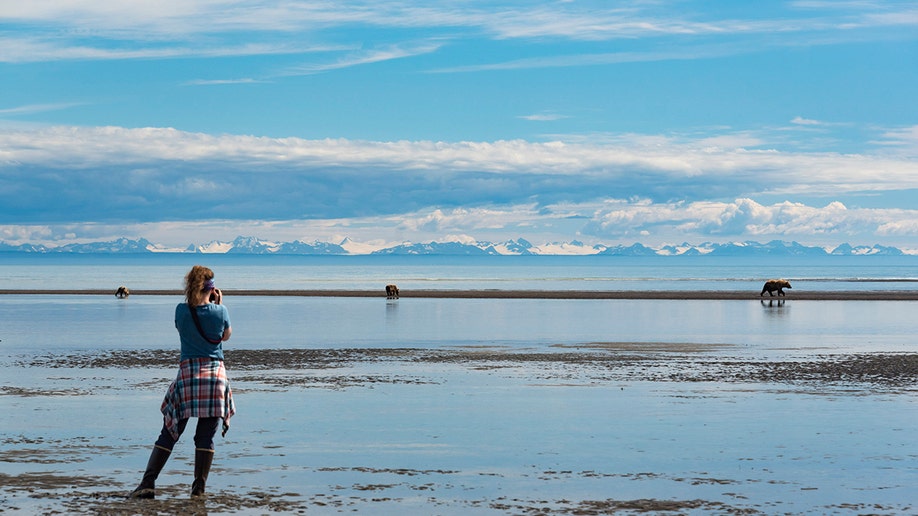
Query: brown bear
{"points": [[122, 292], [775, 284], [391, 292]]}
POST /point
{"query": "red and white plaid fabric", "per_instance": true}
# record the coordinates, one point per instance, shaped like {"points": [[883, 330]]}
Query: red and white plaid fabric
{"points": [[201, 389]]}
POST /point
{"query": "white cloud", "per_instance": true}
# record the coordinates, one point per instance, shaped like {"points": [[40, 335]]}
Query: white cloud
{"points": [[543, 117], [607, 221], [26, 49], [399, 190], [903, 140], [805, 121], [747, 219], [364, 57], [92, 29], [716, 158], [37, 108], [212, 82]]}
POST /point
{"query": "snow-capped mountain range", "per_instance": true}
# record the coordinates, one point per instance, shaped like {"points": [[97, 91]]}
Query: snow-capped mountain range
{"points": [[518, 247]]}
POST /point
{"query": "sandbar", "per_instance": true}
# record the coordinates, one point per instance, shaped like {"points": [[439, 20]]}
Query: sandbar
{"points": [[813, 295]]}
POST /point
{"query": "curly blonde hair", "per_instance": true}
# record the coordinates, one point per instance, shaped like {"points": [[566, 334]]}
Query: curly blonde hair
{"points": [[195, 282]]}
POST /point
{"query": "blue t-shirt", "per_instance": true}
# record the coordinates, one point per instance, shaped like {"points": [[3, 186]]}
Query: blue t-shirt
{"points": [[214, 320]]}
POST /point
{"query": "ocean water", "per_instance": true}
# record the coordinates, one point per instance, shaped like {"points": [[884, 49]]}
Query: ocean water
{"points": [[165, 271]]}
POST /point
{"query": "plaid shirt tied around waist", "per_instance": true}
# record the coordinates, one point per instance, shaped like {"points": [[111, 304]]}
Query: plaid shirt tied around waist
{"points": [[201, 389]]}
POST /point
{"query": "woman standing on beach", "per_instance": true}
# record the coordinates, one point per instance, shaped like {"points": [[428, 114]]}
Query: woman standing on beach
{"points": [[201, 388]]}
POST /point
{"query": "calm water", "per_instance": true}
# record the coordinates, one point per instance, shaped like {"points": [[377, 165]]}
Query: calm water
{"points": [[91, 322], [18, 271], [48, 322], [497, 435]]}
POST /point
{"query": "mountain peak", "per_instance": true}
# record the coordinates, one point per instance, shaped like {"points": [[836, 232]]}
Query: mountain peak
{"points": [[463, 246]]}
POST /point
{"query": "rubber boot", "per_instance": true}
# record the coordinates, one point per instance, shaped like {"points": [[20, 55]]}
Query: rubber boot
{"points": [[202, 461], [147, 487]]}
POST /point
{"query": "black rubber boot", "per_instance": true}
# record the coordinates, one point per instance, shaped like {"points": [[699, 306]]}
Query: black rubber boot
{"points": [[202, 461], [147, 487]]}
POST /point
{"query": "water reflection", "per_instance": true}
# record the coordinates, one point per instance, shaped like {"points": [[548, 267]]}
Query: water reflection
{"points": [[773, 303], [35, 322], [774, 307], [391, 308]]}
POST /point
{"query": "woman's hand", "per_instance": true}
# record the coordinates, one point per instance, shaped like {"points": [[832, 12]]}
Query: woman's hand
{"points": [[217, 296]]}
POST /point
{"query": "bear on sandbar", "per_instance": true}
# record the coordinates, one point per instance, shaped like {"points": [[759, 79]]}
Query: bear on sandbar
{"points": [[775, 284]]}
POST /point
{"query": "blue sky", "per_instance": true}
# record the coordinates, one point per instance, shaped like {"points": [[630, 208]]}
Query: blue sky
{"points": [[186, 121]]}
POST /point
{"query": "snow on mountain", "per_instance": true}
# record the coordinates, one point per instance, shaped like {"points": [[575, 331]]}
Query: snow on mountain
{"points": [[775, 247], [847, 249], [519, 247], [214, 246], [298, 247], [251, 245], [685, 249], [22, 248], [121, 245], [352, 247], [573, 248], [632, 250], [464, 246], [440, 248]]}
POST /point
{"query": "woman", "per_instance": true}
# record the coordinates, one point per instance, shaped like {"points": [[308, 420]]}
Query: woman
{"points": [[201, 388]]}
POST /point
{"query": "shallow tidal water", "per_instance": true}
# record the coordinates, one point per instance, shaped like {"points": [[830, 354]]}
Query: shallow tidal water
{"points": [[393, 434]]}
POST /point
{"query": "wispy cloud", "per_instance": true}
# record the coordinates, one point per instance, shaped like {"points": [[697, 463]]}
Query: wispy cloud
{"points": [[714, 156], [544, 117], [903, 140], [213, 82], [799, 120], [60, 29], [37, 49], [364, 57], [688, 52], [37, 108]]}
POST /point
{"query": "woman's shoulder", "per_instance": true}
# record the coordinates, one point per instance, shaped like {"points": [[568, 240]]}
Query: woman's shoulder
{"points": [[215, 308]]}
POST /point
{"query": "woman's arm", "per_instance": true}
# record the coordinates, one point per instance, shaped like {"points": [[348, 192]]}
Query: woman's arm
{"points": [[217, 298]]}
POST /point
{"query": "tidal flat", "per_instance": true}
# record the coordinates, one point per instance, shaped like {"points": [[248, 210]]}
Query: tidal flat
{"points": [[603, 427]]}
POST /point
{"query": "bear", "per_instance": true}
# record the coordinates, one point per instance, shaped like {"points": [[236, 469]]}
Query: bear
{"points": [[775, 284], [391, 292], [122, 292]]}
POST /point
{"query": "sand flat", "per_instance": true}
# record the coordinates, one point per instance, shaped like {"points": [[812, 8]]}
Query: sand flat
{"points": [[827, 295], [617, 428]]}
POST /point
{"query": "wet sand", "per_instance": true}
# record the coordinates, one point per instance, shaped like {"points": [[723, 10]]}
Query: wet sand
{"points": [[395, 418], [599, 361], [869, 295]]}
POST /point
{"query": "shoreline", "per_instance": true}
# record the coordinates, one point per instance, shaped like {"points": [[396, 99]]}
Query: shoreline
{"points": [[597, 362], [847, 295]]}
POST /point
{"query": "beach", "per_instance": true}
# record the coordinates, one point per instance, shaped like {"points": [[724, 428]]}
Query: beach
{"points": [[599, 426]]}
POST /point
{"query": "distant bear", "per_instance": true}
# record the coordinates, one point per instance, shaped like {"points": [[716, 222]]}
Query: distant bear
{"points": [[775, 284], [391, 292], [122, 292]]}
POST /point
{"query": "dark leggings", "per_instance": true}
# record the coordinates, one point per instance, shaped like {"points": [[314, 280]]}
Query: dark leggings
{"points": [[203, 435]]}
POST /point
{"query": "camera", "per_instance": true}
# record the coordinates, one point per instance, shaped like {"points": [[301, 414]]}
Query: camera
{"points": [[213, 295]]}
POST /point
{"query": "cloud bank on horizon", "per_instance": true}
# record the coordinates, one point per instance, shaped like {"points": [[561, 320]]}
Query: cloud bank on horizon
{"points": [[658, 122]]}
